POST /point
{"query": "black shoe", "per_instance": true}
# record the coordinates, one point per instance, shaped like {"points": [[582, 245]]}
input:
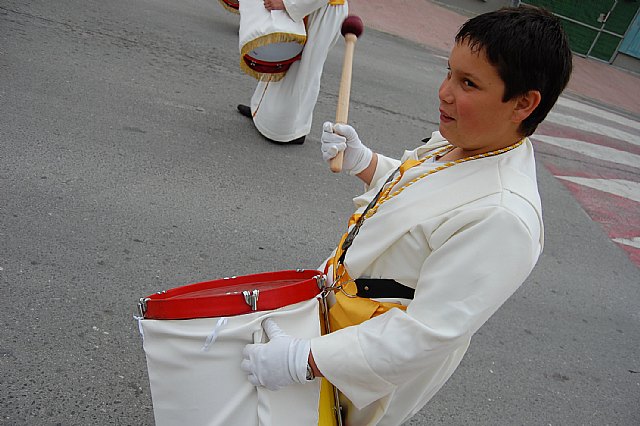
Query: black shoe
{"points": [[298, 141], [245, 110]]}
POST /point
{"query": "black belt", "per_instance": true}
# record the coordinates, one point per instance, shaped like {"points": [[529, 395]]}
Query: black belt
{"points": [[376, 288]]}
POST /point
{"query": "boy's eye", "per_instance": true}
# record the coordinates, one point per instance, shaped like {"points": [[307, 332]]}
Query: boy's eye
{"points": [[468, 83]]}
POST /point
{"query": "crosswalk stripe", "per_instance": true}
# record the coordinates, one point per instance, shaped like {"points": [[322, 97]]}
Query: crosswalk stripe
{"points": [[633, 242], [600, 113], [590, 126], [623, 188], [591, 150]]}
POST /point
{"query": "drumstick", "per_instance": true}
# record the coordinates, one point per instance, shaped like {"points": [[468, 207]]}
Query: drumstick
{"points": [[352, 28]]}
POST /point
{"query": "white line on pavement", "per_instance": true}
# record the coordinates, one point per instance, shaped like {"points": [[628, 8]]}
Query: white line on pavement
{"points": [[623, 188], [590, 126], [595, 151], [601, 113], [633, 242]]}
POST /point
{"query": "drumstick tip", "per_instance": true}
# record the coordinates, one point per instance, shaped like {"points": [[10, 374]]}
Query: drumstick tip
{"points": [[352, 25]]}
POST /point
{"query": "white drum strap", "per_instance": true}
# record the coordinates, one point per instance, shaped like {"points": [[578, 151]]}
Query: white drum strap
{"points": [[214, 334]]}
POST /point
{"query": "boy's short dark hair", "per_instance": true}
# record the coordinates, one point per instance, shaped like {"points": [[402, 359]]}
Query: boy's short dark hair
{"points": [[530, 50]]}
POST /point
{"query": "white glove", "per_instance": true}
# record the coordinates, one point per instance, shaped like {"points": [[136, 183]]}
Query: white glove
{"points": [[342, 137], [278, 363]]}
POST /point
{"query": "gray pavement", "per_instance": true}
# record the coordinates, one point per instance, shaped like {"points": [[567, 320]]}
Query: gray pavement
{"points": [[125, 169]]}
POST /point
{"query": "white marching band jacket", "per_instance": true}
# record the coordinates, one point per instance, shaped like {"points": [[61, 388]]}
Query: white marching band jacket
{"points": [[465, 238]]}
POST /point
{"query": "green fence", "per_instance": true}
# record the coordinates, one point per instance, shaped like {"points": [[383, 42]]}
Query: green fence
{"points": [[595, 27]]}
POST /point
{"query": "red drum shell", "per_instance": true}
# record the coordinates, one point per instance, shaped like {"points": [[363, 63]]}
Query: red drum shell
{"points": [[231, 5], [266, 67]]}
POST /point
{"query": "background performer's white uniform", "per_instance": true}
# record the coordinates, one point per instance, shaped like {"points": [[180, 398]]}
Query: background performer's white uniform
{"points": [[465, 238], [283, 110]]}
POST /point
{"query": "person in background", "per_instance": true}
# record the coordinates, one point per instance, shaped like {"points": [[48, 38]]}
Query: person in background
{"points": [[282, 111]]}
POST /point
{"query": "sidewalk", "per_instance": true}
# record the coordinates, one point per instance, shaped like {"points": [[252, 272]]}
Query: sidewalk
{"points": [[434, 26]]}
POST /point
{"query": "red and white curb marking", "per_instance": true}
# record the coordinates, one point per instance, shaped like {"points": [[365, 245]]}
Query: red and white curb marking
{"points": [[596, 154]]}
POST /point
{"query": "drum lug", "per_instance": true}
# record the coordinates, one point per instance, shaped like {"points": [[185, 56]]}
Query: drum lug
{"points": [[142, 306], [251, 298], [321, 280]]}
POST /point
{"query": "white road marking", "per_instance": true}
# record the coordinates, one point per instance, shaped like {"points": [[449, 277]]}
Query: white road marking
{"points": [[633, 242], [623, 188], [590, 126], [595, 151], [601, 113]]}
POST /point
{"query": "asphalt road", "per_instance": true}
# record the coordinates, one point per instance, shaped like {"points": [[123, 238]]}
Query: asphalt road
{"points": [[125, 169]]}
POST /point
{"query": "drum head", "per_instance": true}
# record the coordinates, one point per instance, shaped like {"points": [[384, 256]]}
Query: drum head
{"points": [[233, 295]]}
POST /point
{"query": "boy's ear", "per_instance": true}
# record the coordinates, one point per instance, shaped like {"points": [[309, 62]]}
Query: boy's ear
{"points": [[525, 105]]}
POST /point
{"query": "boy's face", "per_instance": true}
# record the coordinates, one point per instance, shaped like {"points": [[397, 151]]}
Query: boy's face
{"points": [[472, 114]]}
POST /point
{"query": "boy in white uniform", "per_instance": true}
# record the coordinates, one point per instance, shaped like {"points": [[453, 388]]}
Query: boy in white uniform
{"points": [[449, 235]]}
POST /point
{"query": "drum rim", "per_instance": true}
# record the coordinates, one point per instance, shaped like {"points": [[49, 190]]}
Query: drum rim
{"points": [[275, 70], [301, 284], [268, 67], [231, 6]]}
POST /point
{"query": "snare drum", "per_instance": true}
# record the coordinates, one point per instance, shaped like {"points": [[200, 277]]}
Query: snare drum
{"points": [[193, 337], [270, 41], [231, 5]]}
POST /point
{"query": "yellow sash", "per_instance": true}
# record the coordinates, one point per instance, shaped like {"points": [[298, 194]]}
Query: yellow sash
{"points": [[353, 310], [336, 2]]}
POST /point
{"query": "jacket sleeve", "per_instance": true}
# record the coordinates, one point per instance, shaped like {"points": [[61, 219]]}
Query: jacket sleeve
{"points": [[298, 9], [478, 259], [385, 165]]}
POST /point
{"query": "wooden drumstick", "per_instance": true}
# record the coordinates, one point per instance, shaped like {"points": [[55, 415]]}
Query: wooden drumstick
{"points": [[352, 28]]}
